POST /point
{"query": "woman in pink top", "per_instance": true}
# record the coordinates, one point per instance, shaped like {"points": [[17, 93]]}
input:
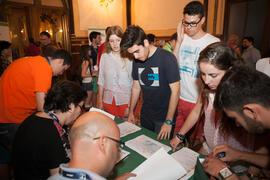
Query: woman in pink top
{"points": [[214, 61]]}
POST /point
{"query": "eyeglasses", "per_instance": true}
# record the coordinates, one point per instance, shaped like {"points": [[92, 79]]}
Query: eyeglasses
{"points": [[120, 143], [191, 24], [82, 109]]}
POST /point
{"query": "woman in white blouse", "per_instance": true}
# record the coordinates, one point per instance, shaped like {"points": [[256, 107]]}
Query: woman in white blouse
{"points": [[115, 81]]}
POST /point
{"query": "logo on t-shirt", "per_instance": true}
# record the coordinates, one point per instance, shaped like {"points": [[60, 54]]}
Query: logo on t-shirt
{"points": [[149, 76]]}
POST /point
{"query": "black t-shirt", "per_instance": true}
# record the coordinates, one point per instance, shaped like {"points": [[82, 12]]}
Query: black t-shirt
{"points": [[154, 75], [94, 54], [37, 148]]}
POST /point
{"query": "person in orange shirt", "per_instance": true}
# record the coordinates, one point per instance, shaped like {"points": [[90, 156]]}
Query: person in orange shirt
{"points": [[23, 86]]}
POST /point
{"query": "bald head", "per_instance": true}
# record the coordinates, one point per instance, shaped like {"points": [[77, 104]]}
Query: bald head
{"points": [[93, 124]]}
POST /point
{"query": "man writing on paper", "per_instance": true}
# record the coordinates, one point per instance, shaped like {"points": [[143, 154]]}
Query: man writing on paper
{"points": [[94, 140], [243, 94], [154, 72]]}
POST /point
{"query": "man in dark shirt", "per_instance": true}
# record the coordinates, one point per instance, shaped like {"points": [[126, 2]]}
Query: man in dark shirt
{"points": [[155, 72]]}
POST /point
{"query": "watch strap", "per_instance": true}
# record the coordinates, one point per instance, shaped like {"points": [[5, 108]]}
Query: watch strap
{"points": [[180, 136], [169, 122]]}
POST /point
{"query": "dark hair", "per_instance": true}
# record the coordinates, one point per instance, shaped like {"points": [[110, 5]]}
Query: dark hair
{"points": [[84, 52], [249, 38], [133, 35], [222, 57], [62, 94], [194, 8], [4, 45], [238, 87], [93, 35], [241, 86], [173, 37], [44, 33], [151, 38], [62, 54], [116, 30]]}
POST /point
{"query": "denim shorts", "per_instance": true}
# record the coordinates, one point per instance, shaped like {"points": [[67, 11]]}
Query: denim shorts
{"points": [[88, 86]]}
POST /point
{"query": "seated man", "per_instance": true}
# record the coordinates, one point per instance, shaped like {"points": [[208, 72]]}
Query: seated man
{"points": [[243, 94], [94, 140]]}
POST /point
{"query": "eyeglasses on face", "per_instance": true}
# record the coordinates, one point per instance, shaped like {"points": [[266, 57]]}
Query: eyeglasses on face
{"points": [[191, 24], [120, 143]]}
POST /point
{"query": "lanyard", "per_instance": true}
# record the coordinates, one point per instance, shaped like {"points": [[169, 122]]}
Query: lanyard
{"points": [[52, 116], [74, 175], [48, 60]]}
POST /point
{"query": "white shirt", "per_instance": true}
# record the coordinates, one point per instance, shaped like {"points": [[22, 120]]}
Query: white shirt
{"points": [[115, 78], [87, 79], [188, 57], [263, 65]]}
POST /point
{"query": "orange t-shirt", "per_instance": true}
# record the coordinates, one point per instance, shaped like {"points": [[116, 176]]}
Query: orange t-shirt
{"points": [[18, 85]]}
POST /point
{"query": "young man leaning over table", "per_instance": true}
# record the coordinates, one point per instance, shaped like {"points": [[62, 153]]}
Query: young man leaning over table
{"points": [[251, 110], [159, 82]]}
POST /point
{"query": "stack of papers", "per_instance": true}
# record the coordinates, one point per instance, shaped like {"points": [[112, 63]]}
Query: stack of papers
{"points": [[159, 166], [146, 146], [127, 128]]}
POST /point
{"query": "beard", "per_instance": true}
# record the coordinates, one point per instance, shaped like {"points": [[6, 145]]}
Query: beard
{"points": [[254, 126]]}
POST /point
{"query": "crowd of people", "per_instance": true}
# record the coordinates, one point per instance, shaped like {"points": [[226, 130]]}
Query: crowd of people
{"points": [[195, 87]]}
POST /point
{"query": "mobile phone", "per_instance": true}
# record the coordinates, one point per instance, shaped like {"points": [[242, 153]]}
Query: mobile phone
{"points": [[221, 155]]}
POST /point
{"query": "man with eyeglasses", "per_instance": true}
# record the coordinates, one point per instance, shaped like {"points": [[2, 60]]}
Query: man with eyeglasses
{"points": [[187, 49], [95, 141]]}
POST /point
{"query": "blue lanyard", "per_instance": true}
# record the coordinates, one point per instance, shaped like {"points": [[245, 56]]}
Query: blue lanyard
{"points": [[48, 60], [74, 175], [52, 116]]}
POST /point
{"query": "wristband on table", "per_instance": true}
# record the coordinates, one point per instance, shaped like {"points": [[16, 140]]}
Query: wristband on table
{"points": [[221, 167]]}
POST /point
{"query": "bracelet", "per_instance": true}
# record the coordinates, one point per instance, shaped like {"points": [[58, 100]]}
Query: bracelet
{"points": [[99, 102], [181, 137], [221, 167]]}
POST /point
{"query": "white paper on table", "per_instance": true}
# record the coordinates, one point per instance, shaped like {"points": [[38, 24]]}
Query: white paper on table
{"points": [[159, 166], [123, 154], [127, 128], [186, 157], [104, 112], [146, 146]]}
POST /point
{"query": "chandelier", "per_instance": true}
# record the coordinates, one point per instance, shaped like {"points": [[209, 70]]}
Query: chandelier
{"points": [[105, 2]]}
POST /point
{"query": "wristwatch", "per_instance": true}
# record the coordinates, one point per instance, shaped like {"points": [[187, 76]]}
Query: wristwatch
{"points": [[169, 122], [224, 173], [181, 136]]}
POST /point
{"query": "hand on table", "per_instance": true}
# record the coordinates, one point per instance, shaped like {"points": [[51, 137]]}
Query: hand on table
{"points": [[100, 106], [165, 131], [231, 153], [131, 118], [125, 176], [175, 141]]}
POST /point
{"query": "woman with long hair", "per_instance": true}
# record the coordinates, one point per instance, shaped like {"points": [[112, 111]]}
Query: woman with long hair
{"points": [[115, 81], [214, 61], [87, 72]]}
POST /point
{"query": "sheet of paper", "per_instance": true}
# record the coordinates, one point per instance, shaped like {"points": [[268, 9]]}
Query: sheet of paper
{"points": [[123, 154], [186, 157], [145, 145], [104, 112], [127, 128], [159, 166]]}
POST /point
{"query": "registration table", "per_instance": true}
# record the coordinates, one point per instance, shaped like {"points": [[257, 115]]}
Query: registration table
{"points": [[134, 159]]}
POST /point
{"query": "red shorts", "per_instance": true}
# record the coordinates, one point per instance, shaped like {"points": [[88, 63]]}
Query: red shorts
{"points": [[114, 109], [184, 108]]}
